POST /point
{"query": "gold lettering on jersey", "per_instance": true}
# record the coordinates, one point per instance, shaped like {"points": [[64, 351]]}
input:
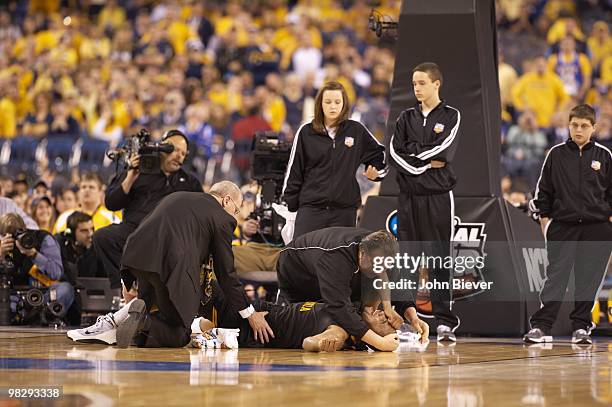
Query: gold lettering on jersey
{"points": [[307, 306]]}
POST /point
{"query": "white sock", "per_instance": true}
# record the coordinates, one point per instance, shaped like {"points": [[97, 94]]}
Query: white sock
{"points": [[122, 314]]}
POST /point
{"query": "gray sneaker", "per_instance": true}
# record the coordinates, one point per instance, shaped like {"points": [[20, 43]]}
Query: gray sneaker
{"points": [[581, 337], [445, 334], [536, 335]]}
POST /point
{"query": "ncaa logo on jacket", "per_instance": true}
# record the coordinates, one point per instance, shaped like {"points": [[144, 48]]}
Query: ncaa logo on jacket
{"points": [[349, 141], [438, 128], [596, 165]]}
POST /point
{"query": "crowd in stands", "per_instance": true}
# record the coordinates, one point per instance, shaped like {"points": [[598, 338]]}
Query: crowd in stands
{"points": [[219, 71]]}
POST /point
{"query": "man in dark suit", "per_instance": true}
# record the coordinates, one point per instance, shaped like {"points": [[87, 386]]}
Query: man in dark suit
{"points": [[166, 253]]}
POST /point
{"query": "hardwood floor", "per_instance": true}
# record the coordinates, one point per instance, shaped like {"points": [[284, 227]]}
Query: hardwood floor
{"points": [[474, 372]]}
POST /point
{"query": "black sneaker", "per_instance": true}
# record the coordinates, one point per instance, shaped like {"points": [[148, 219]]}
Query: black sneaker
{"points": [[128, 329], [536, 335], [581, 337]]}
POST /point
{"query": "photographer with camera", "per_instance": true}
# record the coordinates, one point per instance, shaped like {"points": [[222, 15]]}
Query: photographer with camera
{"points": [[32, 258], [78, 256], [137, 191]]}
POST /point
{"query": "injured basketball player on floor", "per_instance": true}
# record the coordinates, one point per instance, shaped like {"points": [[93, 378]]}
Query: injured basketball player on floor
{"points": [[305, 325]]}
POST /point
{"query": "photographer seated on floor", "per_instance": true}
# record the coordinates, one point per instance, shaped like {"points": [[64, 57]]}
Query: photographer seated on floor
{"points": [[256, 253], [32, 258]]}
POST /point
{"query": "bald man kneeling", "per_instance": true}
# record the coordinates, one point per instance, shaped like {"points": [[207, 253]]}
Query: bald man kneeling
{"points": [[166, 252]]}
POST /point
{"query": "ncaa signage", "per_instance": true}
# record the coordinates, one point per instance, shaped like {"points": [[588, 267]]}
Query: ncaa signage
{"points": [[469, 240]]}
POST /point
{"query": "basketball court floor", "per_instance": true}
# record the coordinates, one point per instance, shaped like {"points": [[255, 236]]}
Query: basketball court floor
{"points": [[474, 372]]}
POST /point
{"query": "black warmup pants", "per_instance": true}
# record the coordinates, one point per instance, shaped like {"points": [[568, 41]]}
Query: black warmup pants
{"points": [[425, 225], [166, 329], [108, 243], [310, 218], [585, 248]]}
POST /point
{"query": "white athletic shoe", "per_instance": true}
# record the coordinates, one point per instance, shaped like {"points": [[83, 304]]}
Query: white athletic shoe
{"points": [[216, 338], [104, 330], [407, 334]]}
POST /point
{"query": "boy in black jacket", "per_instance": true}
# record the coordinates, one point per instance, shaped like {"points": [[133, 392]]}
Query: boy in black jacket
{"points": [[573, 199], [422, 148]]}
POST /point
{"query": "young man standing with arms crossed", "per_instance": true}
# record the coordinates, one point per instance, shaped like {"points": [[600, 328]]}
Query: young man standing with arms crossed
{"points": [[422, 148], [573, 199]]}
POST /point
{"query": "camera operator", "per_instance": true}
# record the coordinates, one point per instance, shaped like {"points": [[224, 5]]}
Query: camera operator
{"points": [[78, 257], [137, 195], [39, 266]]}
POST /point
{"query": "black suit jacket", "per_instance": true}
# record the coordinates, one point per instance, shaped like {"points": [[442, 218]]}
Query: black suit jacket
{"points": [[176, 239]]}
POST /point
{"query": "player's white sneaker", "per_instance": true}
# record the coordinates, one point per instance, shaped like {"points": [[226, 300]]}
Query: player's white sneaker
{"points": [[407, 334], [104, 330], [216, 338]]}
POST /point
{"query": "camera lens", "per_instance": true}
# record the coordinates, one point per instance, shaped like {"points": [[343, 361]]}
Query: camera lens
{"points": [[27, 239], [55, 308], [34, 297]]}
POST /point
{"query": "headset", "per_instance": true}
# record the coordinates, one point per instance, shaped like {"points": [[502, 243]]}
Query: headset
{"points": [[173, 133]]}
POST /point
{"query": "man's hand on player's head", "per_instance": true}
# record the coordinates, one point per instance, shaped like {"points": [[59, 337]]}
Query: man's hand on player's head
{"points": [[260, 327], [393, 317]]}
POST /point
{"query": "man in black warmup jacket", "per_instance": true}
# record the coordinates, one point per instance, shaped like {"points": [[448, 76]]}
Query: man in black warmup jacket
{"points": [[335, 266]]}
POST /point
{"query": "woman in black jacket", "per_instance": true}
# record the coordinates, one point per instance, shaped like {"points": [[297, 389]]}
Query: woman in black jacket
{"points": [[320, 182]]}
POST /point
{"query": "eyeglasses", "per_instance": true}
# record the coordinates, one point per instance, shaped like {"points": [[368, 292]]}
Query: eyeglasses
{"points": [[583, 126], [237, 211]]}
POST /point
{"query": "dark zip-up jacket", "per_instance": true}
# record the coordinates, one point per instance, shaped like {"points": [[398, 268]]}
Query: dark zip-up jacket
{"points": [[321, 170], [147, 191], [575, 186], [324, 265], [417, 141]]}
